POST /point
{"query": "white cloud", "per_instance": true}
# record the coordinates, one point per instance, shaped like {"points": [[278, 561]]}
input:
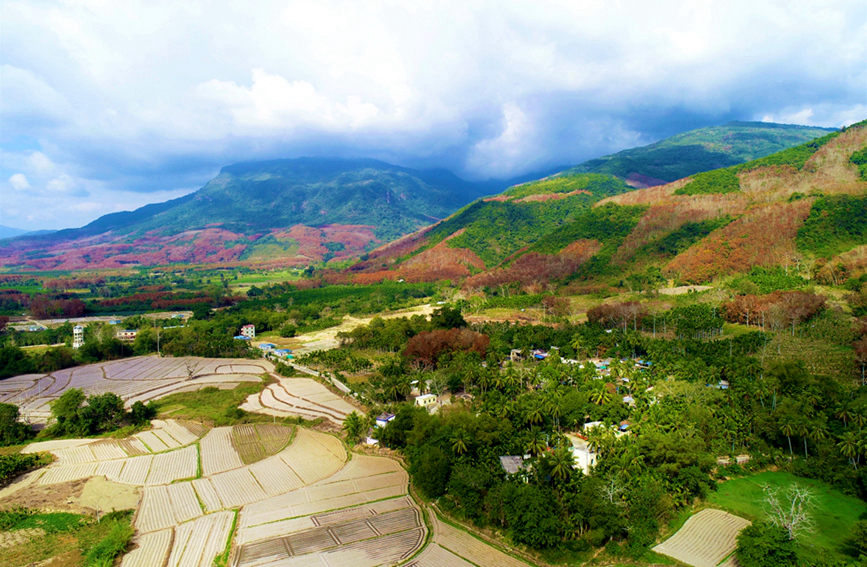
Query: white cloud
{"points": [[143, 95], [19, 182]]}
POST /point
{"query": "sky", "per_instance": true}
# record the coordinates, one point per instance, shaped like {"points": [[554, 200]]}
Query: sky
{"points": [[110, 105]]}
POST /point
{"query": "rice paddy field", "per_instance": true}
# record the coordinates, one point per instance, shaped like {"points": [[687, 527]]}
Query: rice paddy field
{"points": [[251, 494], [141, 378], [299, 397]]}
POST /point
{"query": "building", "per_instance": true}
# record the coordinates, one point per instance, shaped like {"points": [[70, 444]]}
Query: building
{"points": [[126, 335], [425, 400], [384, 419], [267, 347], [77, 336], [249, 331], [282, 353], [512, 463]]}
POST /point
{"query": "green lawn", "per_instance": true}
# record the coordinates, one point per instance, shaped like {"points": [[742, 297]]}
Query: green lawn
{"points": [[210, 404], [834, 513]]}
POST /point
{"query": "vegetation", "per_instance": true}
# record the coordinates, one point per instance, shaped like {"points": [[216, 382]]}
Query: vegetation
{"points": [[71, 538], [834, 514], [796, 156], [708, 182], [211, 405], [16, 464], [859, 158], [703, 149], [835, 225]]}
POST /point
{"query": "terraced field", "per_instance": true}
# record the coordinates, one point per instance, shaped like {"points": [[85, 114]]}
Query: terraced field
{"points": [[254, 442], [705, 539], [301, 397], [141, 378]]}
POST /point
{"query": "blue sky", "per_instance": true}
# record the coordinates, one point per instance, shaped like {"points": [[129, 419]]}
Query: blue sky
{"points": [[107, 105]]}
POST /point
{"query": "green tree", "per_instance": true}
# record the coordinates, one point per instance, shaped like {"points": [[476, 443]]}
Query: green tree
{"points": [[460, 442], [764, 545], [562, 462], [12, 431], [354, 427]]}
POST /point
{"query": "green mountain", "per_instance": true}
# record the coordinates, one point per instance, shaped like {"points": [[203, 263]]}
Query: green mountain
{"points": [[700, 150], [306, 209], [803, 204]]}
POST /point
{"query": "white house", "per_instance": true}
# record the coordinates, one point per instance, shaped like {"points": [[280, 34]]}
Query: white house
{"points": [[425, 400], [249, 331], [77, 336], [384, 419]]}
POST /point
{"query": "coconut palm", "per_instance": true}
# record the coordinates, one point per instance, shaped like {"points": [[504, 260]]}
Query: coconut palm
{"points": [[848, 446], [562, 462], [537, 444], [535, 416], [788, 429], [460, 442], [600, 394], [353, 425]]}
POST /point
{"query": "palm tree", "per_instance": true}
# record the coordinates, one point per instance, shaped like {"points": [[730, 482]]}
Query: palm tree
{"points": [[537, 444], [577, 344], [844, 413], [600, 395], [787, 428], [562, 462], [460, 442], [552, 406], [534, 416], [848, 446], [353, 424]]}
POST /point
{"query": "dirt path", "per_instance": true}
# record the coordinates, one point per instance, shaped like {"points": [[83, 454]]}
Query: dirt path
{"points": [[326, 339]]}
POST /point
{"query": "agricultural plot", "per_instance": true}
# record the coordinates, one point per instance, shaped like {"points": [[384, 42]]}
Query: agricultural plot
{"points": [[133, 379], [151, 549], [254, 442], [361, 537], [218, 454], [435, 555], [471, 549], [302, 397], [84, 461], [705, 539], [200, 541], [166, 506]]}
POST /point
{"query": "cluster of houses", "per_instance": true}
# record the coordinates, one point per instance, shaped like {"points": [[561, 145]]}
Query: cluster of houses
{"points": [[270, 350]]}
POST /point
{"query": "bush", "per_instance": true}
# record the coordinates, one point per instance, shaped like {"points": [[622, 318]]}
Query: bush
{"points": [[708, 182], [13, 465], [765, 545]]}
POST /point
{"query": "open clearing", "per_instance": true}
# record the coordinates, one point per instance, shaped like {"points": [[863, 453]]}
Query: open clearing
{"points": [[326, 339], [833, 512], [705, 539], [141, 378]]}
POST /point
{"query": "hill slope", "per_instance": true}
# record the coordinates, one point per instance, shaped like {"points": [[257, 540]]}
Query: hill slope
{"points": [[803, 204], [293, 211], [700, 150]]}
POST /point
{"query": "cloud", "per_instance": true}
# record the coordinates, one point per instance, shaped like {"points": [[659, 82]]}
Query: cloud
{"points": [[19, 182], [103, 98]]}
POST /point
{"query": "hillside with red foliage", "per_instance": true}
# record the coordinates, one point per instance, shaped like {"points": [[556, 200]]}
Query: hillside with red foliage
{"points": [[538, 269], [303, 245]]}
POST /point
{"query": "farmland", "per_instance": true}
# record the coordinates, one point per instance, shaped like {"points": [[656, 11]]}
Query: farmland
{"points": [[705, 540], [141, 378], [301, 397]]}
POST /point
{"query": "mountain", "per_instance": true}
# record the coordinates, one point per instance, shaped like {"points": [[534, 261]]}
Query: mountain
{"points": [[699, 150], [9, 232], [308, 210], [802, 205], [294, 211]]}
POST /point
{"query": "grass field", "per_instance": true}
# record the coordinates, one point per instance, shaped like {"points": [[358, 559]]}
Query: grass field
{"points": [[833, 512], [212, 405], [70, 539]]}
